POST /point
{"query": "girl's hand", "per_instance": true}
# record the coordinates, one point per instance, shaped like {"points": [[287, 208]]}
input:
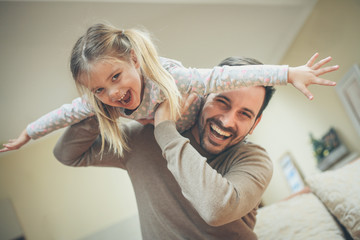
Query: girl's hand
{"points": [[14, 144], [163, 111], [303, 76]]}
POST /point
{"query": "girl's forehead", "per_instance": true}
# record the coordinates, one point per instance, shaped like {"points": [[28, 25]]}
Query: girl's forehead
{"points": [[101, 69]]}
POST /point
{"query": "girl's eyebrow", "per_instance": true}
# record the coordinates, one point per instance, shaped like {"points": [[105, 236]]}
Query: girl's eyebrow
{"points": [[112, 74], [106, 79]]}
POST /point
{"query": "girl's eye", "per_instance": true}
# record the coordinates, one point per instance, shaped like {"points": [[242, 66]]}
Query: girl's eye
{"points": [[115, 77], [98, 91]]}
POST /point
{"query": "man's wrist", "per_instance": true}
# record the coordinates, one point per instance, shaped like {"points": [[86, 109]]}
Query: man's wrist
{"points": [[165, 132]]}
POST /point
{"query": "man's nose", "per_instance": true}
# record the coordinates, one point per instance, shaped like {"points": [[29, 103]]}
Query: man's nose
{"points": [[228, 119]]}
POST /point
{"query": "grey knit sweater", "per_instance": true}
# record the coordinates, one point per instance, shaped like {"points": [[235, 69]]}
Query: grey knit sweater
{"points": [[182, 192]]}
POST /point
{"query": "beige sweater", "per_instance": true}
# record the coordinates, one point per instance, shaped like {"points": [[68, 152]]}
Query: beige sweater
{"points": [[189, 194]]}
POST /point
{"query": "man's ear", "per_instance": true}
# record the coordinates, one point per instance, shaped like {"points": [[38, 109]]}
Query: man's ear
{"points": [[134, 59], [255, 124]]}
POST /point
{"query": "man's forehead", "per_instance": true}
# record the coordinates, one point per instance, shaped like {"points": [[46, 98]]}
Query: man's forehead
{"points": [[251, 97]]}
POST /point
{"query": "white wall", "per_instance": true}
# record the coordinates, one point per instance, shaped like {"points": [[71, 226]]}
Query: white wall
{"points": [[333, 30]]}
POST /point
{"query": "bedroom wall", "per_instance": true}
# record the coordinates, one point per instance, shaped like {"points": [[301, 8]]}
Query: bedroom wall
{"points": [[331, 29]]}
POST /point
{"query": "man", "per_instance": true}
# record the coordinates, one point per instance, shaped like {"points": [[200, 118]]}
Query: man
{"points": [[206, 183]]}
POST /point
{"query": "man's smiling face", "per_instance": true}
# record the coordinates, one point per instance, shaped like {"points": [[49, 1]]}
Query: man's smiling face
{"points": [[228, 117]]}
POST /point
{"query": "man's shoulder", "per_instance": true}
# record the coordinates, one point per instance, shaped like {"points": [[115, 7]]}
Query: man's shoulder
{"points": [[132, 128], [248, 150], [246, 145]]}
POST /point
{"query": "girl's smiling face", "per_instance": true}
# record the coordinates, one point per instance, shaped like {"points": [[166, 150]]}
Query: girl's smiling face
{"points": [[117, 83]]}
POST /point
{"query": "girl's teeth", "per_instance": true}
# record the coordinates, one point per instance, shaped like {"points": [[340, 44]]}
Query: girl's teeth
{"points": [[122, 97]]}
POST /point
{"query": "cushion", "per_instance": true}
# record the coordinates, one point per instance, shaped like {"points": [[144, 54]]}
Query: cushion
{"points": [[301, 217], [339, 190]]}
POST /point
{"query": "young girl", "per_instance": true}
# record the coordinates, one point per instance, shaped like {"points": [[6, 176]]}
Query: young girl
{"points": [[119, 74]]}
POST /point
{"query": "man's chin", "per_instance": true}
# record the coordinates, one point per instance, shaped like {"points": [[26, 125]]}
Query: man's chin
{"points": [[213, 149]]}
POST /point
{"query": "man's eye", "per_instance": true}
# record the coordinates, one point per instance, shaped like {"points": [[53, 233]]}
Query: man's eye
{"points": [[115, 77], [221, 101], [245, 114]]}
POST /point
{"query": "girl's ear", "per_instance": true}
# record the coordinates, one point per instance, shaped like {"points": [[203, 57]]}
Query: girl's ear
{"points": [[134, 59]]}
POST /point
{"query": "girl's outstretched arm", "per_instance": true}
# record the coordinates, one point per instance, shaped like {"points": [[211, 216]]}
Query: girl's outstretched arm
{"points": [[303, 76], [62, 117], [17, 143], [219, 79]]}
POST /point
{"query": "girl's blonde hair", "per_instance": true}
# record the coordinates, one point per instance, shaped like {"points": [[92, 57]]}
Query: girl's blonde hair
{"points": [[105, 42]]}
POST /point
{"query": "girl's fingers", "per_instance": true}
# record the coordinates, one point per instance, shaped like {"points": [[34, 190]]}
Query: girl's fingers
{"points": [[307, 93], [304, 90], [4, 149], [312, 60], [324, 70], [321, 63], [324, 82]]}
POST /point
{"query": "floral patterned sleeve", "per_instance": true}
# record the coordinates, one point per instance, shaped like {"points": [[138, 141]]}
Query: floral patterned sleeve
{"points": [[64, 116], [224, 78], [218, 79]]}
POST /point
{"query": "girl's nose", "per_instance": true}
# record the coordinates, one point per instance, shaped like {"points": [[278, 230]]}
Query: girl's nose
{"points": [[114, 94]]}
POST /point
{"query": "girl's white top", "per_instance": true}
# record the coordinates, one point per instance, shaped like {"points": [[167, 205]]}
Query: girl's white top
{"points": [[188, 80]]}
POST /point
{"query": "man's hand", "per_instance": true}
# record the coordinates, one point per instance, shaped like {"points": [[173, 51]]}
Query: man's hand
{"points": [[163, 111], [14, 144], [303, 76]]}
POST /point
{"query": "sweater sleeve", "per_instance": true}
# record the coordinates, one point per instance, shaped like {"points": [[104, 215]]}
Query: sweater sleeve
{"points": [[224, 78], [80, 146], [218, 198], [64, 116]]}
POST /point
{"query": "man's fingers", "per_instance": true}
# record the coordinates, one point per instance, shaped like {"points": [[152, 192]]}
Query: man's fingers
{"points": [[189, 99], [146, 121]]}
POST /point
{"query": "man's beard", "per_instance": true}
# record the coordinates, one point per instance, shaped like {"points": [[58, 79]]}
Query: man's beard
{"points": [[218, 123]]}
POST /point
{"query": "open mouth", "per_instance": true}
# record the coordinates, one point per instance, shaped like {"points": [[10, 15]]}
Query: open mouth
{"points": [[219, 133], [126, 98]]}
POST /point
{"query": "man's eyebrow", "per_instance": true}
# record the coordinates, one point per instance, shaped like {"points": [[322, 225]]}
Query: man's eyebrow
{"points": [[223, 96], [251, 112]]}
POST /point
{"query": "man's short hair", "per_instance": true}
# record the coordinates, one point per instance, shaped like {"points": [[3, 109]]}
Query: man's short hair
{"points": [[241, 61]]}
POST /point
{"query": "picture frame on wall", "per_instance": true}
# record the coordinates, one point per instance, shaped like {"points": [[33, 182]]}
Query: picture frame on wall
{"points": [[292, 173], [348, 90]]}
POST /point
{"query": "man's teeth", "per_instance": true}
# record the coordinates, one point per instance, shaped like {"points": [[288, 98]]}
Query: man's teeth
{"points": [[219, 131]]}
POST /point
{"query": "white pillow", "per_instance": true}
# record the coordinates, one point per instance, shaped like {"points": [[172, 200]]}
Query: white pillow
{"points": [[303, 217], [339, 190]]}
